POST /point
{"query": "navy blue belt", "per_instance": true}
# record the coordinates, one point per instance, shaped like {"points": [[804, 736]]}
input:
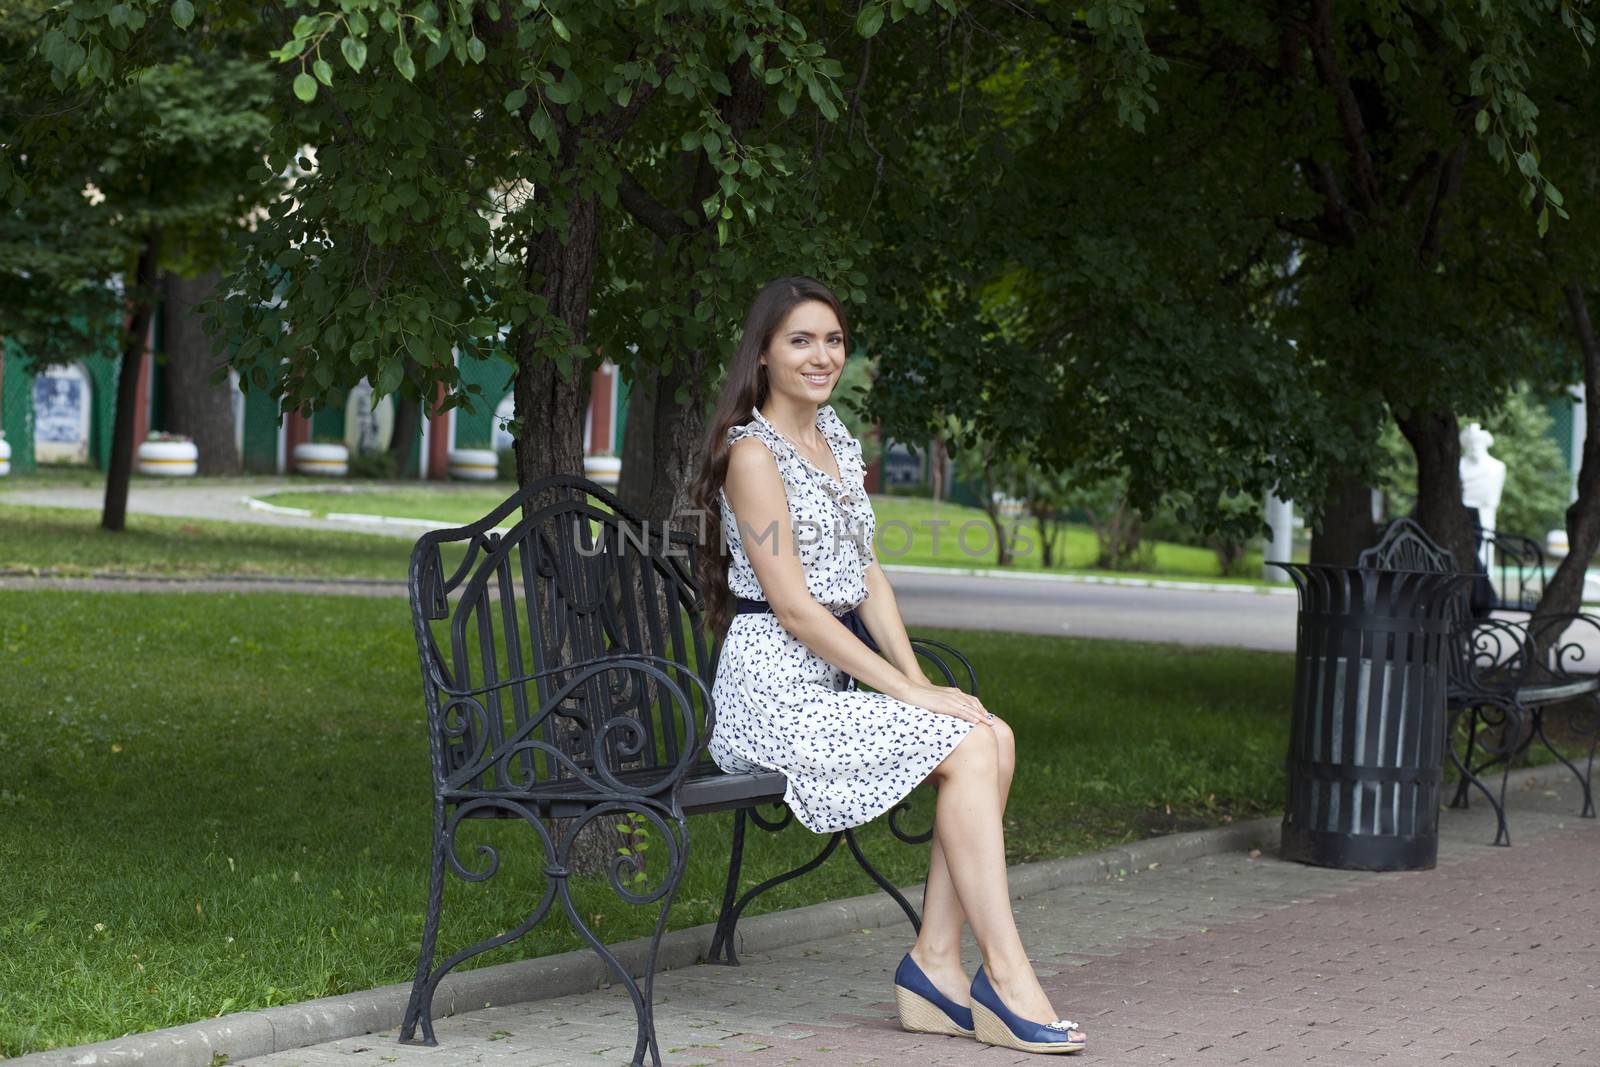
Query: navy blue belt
{"points": [[851, 620]]}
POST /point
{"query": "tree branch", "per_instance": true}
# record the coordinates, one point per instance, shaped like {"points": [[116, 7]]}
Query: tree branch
{"points": [[1351, 125], [1444, 189], [650, 213]]}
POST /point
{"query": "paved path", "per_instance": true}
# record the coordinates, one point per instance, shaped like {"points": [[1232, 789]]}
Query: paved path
{"points": [[1243, 619], [1490, 960]]}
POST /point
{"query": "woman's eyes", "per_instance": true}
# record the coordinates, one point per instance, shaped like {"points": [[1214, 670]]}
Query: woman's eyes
{"points": [[801, 341]]}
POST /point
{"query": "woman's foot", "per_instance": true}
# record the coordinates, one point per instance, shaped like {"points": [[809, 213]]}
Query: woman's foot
{"points": [[1023, 1020], [946, 973], [996, 1024], [924, 1008]]}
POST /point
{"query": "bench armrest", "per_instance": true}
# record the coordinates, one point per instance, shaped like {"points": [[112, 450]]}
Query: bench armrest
{"points": [[1566, 647], [932, 649], [1490, 658]]}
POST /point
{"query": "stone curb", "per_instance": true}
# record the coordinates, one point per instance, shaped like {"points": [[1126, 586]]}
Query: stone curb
{"points": [[247, 1034]]}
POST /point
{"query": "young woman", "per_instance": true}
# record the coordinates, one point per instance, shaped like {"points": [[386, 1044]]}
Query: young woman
{"points": [[795, 571]]}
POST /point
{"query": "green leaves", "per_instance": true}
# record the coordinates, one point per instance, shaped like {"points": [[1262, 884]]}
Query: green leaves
{"points": [[564, 91], [182, 13], [354, 50], [403, 62], [540, 126], [305, 87], [870, 20]]}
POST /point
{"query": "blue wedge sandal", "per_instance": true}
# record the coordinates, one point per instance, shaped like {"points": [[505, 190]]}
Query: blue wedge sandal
{"points": [[925, 1010], [996, 1024]]}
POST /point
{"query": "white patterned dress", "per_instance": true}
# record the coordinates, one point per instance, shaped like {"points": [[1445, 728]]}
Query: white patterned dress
{"points": [[849, 755]]}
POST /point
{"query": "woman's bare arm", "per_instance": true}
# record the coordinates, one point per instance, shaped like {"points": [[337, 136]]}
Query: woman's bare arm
{"points": [[755, 489], [881, 613]]}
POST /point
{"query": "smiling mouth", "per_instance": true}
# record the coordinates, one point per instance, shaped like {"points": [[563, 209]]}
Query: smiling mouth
{"points": [[817, 379]]}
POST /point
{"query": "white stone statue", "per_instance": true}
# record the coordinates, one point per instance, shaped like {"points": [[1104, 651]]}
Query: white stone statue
{"points": [[1483, 477]]}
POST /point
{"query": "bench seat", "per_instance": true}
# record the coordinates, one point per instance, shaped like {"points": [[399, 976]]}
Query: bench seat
{"points": [[707, 789]]}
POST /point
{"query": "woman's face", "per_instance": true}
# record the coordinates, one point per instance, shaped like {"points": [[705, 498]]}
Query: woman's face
{"points": [[806, 354]]}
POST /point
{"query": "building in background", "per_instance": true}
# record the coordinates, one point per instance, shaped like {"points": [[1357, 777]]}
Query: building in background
{"points": [[65, 415]]}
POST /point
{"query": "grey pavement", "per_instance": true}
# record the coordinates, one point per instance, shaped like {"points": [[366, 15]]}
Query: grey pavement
{"points": [[1490, 960], [1240, 618]]}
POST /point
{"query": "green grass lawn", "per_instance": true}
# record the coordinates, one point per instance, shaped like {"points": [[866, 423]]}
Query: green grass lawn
{"points": [[215, 803], [69, 540], [911, 530]]}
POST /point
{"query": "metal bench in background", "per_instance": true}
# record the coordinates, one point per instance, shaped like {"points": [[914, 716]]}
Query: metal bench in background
{"points": [[1517, 570], [567, 682], [1504, 673]]}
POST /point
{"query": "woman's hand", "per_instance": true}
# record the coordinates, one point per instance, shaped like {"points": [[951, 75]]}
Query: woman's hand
{"points": [[947, 700]]}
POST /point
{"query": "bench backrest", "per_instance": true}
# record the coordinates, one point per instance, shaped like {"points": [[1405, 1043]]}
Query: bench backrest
{"points": [[510, 614], [1482, 653], [1406, 546]]}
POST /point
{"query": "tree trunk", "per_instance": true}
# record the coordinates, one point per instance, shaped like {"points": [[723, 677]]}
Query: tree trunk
{"points": [[119, 467], [639, 443], [1564, 594], [1044, 517], [407, 425], [1346, 527], [679, 431], [197, 405], [550, 407], [1436, 440]]}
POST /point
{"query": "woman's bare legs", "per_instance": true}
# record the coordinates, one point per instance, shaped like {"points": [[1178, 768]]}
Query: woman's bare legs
{"points": [[938, 947], [967, 824]]}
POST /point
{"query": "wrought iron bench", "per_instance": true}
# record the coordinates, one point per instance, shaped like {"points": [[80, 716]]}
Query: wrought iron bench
{"points": [[567, 684], [1517, 569], [1504, 673]]}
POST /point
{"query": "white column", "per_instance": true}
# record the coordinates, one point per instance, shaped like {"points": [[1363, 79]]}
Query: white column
{"points": [[1280, 517]]}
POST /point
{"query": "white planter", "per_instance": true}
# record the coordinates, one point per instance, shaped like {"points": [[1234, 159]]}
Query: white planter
{"points": [[168, 459], [328, 461], [474, 464], [5, 457], [607, 470], [1555, 544]]}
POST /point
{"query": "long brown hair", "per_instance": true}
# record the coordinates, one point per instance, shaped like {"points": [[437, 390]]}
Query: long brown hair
{"points": [[744, 388]]}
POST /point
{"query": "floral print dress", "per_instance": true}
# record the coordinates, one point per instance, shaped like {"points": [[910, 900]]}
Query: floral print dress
{"points": [[849, 755]]}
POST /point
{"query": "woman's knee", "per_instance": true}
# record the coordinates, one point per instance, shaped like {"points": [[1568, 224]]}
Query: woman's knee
{"points": [[1005, 744], [978, 753]]}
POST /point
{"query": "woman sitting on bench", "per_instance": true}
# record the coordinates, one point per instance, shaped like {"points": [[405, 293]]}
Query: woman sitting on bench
{"points": [[805, 605]]}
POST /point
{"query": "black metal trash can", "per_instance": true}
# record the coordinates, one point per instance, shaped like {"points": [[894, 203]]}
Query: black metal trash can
{"points": [[1366, 747]]}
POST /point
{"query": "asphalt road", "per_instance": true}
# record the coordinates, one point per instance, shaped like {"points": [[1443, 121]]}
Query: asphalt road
{"points": [[1245, 619]]}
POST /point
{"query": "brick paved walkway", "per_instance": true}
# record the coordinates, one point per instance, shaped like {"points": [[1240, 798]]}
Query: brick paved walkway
{"points": [[1491, 960]]}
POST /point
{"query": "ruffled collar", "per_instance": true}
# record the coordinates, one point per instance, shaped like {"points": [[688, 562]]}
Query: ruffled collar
{"points": [[830, 425], [828, 422]]}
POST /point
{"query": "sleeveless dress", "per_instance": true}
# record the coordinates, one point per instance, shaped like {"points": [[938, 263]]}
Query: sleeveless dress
{"points": [[849, 754]]}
